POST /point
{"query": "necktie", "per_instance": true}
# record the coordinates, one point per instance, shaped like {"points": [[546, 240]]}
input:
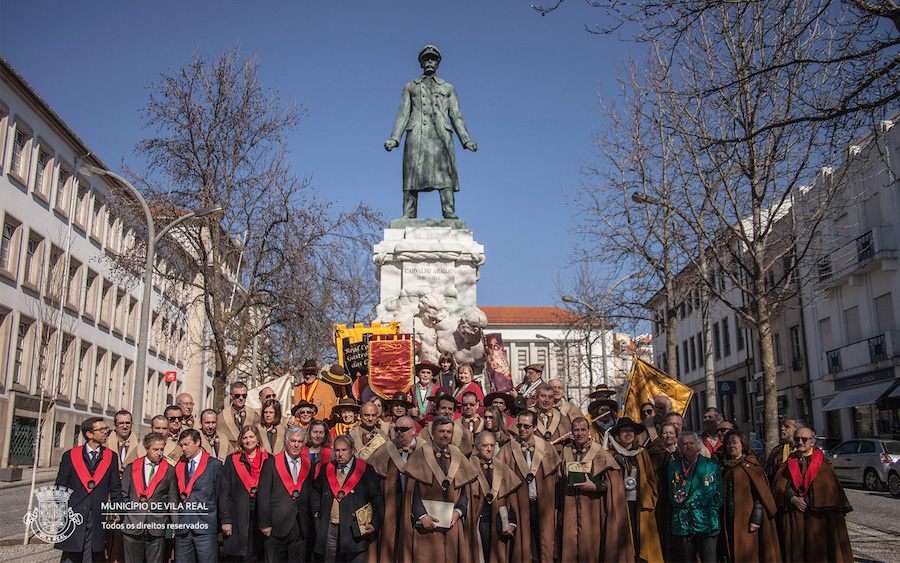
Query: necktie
{"points": [[239, 418], [294, 470], [443, 460], [153, 467], [191, 467], [123, 453], [94, 460]]}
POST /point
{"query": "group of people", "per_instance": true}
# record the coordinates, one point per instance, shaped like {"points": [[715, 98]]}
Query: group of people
{"points": [[445, 473]]}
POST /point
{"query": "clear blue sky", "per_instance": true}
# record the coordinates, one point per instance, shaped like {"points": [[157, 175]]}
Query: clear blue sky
{"points": [[528, 87]]}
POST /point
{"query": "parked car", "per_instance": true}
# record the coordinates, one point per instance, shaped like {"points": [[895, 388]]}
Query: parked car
{"points": [[893, 478], [827, 444], [865, 461]]}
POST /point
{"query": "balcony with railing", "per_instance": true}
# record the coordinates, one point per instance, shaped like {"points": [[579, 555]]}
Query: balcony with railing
{"points": [[866, 355], [861, 254]]}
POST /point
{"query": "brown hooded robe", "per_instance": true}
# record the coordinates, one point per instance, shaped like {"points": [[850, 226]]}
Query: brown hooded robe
{"points": [[462, 438], [388, 464], [505, 483], [648, 535], [546, 475], [749, 483], [819, 533], [459, 543], [594, 525]]}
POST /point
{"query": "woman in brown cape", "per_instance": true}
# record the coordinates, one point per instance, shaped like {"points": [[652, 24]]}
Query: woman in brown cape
{"points": [[748, 513], [662, 453], [811, 505]]}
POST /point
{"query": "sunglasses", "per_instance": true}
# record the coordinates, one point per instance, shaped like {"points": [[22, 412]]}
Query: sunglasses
{"points": [[525, 426], [403, 428], [648, 411], [174, 418], [268, 397], [239, 395], [803, 440], [723, 430]]}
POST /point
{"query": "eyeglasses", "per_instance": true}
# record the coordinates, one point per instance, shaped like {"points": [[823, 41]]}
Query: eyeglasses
{"points": [[174, 418], [104, 429], [803, 440], [647, 411], [525, 426], [269, 397], [402, 429], [239, 395]]}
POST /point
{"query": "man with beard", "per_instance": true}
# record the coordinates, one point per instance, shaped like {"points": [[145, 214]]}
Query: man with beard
{"points": [[438, 472], [811, 505], [603, 417], [536, 463], [388, 462], [662, 406], [779, 455], [492, 501]]}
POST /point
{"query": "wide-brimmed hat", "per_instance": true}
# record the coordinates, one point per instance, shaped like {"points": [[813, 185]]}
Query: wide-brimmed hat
{"points": [[507, 398], [346, 403], [625, 423], [310, 364], [602, 392], [304, 404], [594, 407], [442, 393], [428, 365], [536, 367], [401, 398], [335, 375]]}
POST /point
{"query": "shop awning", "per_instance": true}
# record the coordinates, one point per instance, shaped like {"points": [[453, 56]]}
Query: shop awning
{"points": [[895, 393], [865, 395]]}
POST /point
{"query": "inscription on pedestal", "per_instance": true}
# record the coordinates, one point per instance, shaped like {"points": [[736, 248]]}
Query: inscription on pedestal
{"points": [[431, 275]]}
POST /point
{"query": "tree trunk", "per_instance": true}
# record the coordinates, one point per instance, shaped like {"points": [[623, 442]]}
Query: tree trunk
{"points": [[218, 391], [770, 381]]}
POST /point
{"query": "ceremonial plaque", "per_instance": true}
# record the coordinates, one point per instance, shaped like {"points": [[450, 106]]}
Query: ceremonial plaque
{"points": [[578, 471], [363, 518]]}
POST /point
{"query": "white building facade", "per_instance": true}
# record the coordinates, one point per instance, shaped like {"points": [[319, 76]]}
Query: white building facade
{"points": [[68, 322]]}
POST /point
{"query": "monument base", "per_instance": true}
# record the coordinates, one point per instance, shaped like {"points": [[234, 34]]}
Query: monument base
{"points": [[422, 256]]}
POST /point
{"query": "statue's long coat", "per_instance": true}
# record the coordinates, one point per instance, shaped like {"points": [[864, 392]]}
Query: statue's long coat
{"points": [[429, 113]]}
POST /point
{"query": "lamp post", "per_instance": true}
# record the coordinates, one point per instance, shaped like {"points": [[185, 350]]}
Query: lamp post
{"points": [[137, 401], [564, 347], [568, 299], [709, 370]]}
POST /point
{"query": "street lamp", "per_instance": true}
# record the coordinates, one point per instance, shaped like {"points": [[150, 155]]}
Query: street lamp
{"points": [[563, 346], [137, 400], [568, 299]]}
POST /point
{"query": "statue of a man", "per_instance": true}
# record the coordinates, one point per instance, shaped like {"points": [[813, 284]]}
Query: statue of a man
{"points": [[429, 113]]}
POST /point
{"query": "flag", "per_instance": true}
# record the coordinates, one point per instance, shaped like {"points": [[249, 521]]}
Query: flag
{"points": [[645, 383], [390, 367], [496, 369]]}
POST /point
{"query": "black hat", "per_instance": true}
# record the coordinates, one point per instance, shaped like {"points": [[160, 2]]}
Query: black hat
{"points": [[625, 423], [507, 398], [594, 407], [310, 364], [602, 392]]}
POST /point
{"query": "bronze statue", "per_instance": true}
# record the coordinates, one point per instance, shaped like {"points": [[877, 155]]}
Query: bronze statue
{"points": [[429, 113]]}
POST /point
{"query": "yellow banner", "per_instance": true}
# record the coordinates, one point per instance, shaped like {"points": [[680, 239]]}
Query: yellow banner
{"points": [[645, 383], [346, 335]]}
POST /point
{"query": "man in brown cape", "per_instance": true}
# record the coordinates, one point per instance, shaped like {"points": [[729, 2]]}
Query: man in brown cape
{"points": [[780, 453], [569, 410], [388, 462], [811, 505], [552, 425], [368, 435], [235, 416], [438, 472], [536, 463], [444, 406], [493, 504], [594, 522]]}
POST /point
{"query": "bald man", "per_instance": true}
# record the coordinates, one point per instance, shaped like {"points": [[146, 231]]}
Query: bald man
{"points": [[568, 410], [186, 403]]}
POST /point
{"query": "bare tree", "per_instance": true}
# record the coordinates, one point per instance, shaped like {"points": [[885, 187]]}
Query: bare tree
{"points": [[266, 270]]}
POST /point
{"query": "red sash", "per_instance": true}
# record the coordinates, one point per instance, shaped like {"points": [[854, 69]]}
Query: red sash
{"points": [[250, 481], [285, 474], [324, 457], [804, 482], [340, 492], [85, 476], [179, 474], [137, 476], [309, 395]]}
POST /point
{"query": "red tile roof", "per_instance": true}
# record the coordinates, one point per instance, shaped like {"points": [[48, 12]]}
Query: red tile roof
{"points": [[528, 315]]}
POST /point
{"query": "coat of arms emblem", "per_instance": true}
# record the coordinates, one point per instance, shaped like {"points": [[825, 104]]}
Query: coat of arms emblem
{"points": [[52, 520]]}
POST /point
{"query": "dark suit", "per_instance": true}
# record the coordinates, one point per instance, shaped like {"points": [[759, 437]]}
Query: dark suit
{"points": [[238, 508], [145, 533], [289, 518], [197, 516], [88, 538], [367, 490]]}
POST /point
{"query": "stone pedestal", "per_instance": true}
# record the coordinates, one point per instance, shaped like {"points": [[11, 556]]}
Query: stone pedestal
{"points": [[422, 256]]}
